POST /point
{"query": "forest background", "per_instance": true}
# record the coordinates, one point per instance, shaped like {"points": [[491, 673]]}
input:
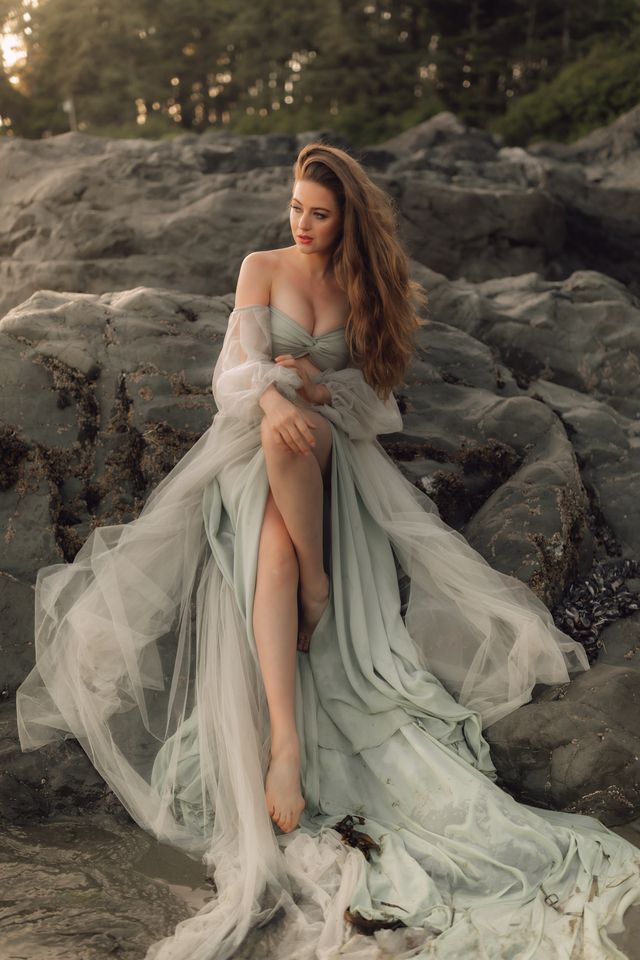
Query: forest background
{"points": [[526, 69]]}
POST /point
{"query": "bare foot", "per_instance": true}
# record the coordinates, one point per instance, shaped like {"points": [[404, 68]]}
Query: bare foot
{"points": [[313, 606], [282, 792]]}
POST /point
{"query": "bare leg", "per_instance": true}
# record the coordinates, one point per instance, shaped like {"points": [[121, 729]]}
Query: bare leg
{"points": [[275, 608], [296, 482], [274, 628]]}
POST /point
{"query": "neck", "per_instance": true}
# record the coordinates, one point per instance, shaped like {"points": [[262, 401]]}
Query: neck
{"points": [[317, 266]]}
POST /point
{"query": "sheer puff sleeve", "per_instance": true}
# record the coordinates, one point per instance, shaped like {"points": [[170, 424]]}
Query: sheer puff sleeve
{"points": [[355, 406], [245, 367]]}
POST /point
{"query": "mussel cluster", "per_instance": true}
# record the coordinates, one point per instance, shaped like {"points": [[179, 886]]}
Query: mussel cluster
{"points": [[596, 600]]}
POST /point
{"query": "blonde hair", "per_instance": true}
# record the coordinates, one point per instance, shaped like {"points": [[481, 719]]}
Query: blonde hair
{"points": [[370, 265]]}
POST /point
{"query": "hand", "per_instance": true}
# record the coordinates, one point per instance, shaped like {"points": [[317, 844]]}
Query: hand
{"points": [[305, 368], [292, 427]]}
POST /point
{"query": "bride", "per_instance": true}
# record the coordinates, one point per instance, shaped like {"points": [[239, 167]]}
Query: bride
{"points": [[238, 666]]}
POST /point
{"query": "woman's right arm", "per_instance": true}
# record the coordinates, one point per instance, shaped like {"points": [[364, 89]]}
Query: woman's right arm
{"points": [[246, 382]]}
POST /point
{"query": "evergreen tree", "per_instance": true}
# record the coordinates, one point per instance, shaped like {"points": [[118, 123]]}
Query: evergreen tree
{"points": [[366, 69]]}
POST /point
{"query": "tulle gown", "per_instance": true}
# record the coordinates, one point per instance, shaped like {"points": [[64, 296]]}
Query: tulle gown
{"points": [[146, 654]]}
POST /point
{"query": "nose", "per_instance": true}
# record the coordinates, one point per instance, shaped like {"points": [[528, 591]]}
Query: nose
{"points": [[302, 222]]}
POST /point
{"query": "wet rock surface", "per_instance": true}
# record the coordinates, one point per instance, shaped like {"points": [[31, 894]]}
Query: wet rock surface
{"points": [[90, 887], [56, 779]]}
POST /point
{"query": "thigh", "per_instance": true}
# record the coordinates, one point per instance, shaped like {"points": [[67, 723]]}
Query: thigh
{"points": [[324, 441]]}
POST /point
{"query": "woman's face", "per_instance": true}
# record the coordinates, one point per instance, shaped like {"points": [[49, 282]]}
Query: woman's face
{"points": [[314, 213]]}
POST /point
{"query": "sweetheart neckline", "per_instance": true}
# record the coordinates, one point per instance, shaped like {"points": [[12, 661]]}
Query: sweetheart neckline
{"points": [[270, 306]]}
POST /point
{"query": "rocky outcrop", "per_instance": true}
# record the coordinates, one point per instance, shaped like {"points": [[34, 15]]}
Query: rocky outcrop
{"points": [[576, 747], [101, 395], [104, 393], [575, 346], [94, 215], [498, 463], [473, 208], [521, 408]]}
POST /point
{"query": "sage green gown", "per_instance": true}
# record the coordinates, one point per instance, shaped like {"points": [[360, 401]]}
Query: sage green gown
{"points": [[146, 654]]}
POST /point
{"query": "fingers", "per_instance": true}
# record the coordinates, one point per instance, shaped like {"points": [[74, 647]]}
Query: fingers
{"points": [[297, 434], [303, 438], [287, 362], [304, 429]]}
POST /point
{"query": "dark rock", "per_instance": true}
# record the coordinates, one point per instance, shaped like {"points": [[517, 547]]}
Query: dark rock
{"points": [[17, 653], [462, 230], [40, 783], [513, 469], [441, 136], [607, 447], [576, 746], [621, 643], [101, 396], [91, 214], [574, 345]]}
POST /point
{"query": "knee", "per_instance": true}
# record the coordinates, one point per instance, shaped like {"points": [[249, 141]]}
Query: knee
{"points": [[271, 442]]}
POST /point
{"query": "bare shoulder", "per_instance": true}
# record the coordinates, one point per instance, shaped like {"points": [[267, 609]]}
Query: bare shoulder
{"points": [[256, 274]]}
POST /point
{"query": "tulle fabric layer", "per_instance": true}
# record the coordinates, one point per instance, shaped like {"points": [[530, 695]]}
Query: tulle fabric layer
{"points": [[142, 655]]}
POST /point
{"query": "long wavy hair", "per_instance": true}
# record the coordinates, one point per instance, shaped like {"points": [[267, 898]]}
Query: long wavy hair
{"points": [[370, 265]]}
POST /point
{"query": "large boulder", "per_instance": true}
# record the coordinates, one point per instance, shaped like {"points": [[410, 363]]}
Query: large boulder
{"points": [[597, 180], [576, 746], [574, 345], [101, 395], [94, 215]]}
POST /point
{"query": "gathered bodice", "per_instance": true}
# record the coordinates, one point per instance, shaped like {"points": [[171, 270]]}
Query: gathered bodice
{"points": [[288, 336]]}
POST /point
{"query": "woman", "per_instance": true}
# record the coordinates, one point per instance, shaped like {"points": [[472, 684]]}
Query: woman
{"points": [[315, 282], [235, 661]]}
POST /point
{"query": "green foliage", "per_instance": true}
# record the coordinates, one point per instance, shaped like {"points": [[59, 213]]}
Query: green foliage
{"points": [[155, 68], [589, 93]]}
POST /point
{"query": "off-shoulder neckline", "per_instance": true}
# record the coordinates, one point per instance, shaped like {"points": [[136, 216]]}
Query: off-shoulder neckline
{"points": [[270, 306]]}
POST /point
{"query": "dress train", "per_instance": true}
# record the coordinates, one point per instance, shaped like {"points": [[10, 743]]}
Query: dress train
{"points": [[145, 654]]}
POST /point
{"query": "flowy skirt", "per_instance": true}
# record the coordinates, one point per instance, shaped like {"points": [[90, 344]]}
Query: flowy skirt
{"points": [[145, 653]]}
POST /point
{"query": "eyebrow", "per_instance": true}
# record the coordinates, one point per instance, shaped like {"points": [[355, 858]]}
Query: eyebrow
{"points": [[295, 200]]}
